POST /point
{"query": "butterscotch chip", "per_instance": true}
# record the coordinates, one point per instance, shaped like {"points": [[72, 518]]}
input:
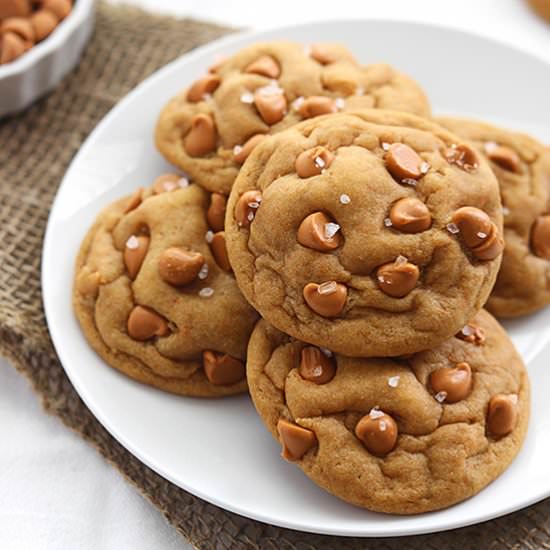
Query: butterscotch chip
{"points": [[502, 414], [384, 438], [403, 162], [20, 26], [179, 267], [315, 366], [14, 8], [540, 237], [410, 215], [155, 332], [504, 156], [295, 440], [397, 278], [205, 85], [134, 254], [144, 323], [378, 432], [313, 161], [271, 106], [319, 232], [240, 153], [524, 180], [463, 156], [391, 246], [219, 250], [265, 66], [43, 23], [473, 334], [11, 47], [60, 8], [452, 383], [215, 215], [269, 87], [202, 136], [246, 208], [326, 299], [222, 369], [316, 106]]}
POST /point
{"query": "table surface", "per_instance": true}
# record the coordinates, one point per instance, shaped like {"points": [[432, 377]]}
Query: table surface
{"points": [[56, 492]]}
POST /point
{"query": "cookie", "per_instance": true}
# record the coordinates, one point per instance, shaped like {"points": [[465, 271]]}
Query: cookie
{"points": [[401, 436], [210, 129], [522, 167], [155, 296], [360, 233]]}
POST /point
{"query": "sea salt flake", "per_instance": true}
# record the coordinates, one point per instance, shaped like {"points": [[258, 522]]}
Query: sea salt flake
{"points": [[183, 182], [203, 273], [490, 146], [383, 425], [505, 211], [132, 243], [331, 229], [409, 181], [206, 292], [326, 352], [393, 381], [209, 236], [169, 185], [424, 168], [297, 103], [375, 413], [319, 162], [481, 235], [237, 149], [247, 97], [513, 398], [388, 222], [401, 260], [386, 146], [453, 228], [359, 90], [440, 396], [318, 371], [250, 216], [327, 288], [468, 330], [270, 90], [345, 199], [382, 279], [254, 204], [206, 97], [339, 103]]}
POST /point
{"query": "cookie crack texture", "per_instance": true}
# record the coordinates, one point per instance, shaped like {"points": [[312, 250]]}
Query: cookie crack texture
{"points": [[444, 452], [431, 282]]}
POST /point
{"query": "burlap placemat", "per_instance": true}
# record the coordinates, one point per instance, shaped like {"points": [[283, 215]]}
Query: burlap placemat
{"points": [[35, 150]]}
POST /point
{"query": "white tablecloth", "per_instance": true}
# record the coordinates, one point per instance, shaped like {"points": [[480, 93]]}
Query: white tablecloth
{"points": [[56, 492]]}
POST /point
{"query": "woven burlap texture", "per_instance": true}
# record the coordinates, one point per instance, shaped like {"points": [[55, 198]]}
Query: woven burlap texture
{"points": [[35, 149]]}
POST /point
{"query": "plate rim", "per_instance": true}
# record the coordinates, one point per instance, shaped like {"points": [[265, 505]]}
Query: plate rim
{"points": [[48, 301]]}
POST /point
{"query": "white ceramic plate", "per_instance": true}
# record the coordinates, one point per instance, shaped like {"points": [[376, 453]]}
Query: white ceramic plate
{"points": [[218, 449]]}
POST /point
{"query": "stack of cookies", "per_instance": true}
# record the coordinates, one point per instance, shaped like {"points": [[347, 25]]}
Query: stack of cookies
{"points": [[329, 246]]}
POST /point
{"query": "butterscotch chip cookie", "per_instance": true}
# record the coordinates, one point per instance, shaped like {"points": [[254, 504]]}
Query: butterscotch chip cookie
{"points": [[522, 167], [400, 436], [212, 127], [356, 232], [154, 294]]}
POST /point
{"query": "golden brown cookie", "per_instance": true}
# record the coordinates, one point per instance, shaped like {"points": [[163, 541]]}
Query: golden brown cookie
{"points": [[154, 294], [360, 233], [212, 127], [401, 436], [522, 167]]}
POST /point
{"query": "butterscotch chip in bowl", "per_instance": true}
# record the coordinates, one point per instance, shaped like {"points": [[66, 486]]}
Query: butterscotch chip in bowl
{"points": [[400, 436], [356, 232], [522, 167], [155, 297], [214, 124]]}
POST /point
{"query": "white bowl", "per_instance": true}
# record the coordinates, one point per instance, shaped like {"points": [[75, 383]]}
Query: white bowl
{"points": [[40, 69]]}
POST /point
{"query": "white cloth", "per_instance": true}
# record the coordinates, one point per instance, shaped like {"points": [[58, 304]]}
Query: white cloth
{"points": [[56, 492]]}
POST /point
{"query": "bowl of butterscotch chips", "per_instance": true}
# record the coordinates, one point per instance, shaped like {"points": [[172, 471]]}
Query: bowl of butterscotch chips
{"points": [[40, 42]]}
